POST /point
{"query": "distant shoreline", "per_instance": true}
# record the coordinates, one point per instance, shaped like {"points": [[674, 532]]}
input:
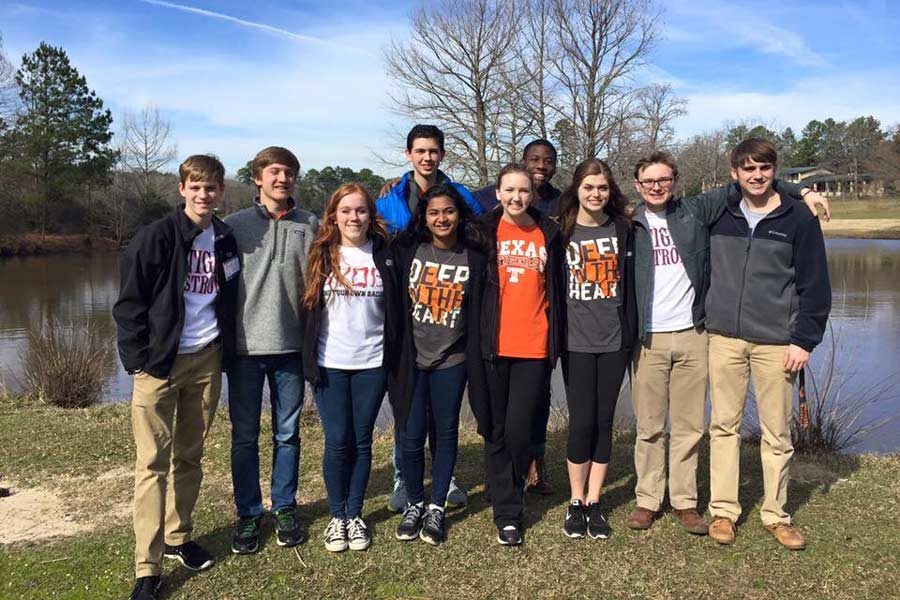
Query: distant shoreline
{"points": [[869, 229], [34, 244]]}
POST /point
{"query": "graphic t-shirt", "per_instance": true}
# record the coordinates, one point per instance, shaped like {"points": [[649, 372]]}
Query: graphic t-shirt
{"points": [[352, 331], [521, 262], [592, 294], [201, 288], [672, 295], [438, 281]]}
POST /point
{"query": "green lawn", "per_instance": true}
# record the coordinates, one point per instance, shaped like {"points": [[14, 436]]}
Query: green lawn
{"points": [[848, 506], [865, 208]]}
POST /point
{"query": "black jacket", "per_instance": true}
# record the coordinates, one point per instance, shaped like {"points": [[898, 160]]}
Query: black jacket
{"points": [[402, 379], [628, 307], [150, 310], [392, 318], [771, 286]]}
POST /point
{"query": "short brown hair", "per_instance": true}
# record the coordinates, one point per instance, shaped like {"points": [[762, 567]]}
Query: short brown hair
{"points": [[514, 168], [658, 157], [271, 156], [755, 149], [202, 167]]}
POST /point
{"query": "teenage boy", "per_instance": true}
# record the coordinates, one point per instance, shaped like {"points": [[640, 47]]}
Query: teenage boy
{"points": [[273, 238], [424, 151], [175, 318], [768, 302], [670, 365], [539, 157]]}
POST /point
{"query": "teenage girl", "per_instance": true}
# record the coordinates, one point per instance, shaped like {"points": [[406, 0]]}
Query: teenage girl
{"points": [[519, 341], [348, 346], [599, 333], [440, 258]]}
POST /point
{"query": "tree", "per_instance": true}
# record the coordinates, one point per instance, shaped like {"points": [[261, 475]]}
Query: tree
{"points": [[63, 128], [7, 88], [245, 173], [861, 139], [145, 149], [703, 162], [658, 108]]}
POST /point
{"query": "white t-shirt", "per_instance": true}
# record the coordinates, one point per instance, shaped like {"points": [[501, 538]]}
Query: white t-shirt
{"points": [[753, 217], [352, 331], [200, 291], [672, 295]]}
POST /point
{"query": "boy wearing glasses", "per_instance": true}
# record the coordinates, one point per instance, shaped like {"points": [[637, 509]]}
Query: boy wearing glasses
{"points": [[670, 365]]}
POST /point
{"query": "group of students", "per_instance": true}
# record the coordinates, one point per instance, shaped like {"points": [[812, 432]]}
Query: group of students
{"points": [[432, 290]]}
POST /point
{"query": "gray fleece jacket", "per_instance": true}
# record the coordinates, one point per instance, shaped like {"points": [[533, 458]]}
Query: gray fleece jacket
{"points": [[270, 318]]}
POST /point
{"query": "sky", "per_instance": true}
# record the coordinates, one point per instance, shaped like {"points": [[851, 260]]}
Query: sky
{"points": [[236, 76]]}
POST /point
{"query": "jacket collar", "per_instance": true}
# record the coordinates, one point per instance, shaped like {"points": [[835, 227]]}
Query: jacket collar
{"points": [[188, 230], [263, 211], [733, 204]]}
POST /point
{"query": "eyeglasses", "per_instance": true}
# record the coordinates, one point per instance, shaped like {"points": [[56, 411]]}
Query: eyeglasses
{"points": [[663, 182]]}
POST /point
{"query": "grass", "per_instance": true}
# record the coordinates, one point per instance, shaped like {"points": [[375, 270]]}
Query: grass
{"points": [[865, 208], [868, 218], [847, 505]]}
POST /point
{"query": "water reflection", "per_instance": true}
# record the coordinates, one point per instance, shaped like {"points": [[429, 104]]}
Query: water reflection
{"points": [[865, 277]]}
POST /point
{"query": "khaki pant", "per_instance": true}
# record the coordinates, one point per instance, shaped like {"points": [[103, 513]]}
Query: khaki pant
{"points": [[732, 362], [669, 381], [171, 418]]}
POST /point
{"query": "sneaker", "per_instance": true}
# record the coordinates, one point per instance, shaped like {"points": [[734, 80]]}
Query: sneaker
{"points": [[575, 525], [191, 555], [246, 536], [432, 530], [598, 527], [398, 499], [287, 527], [358, 534], [145, 588], [509, 536], [336, 535], [456, 497], [410, 522]]}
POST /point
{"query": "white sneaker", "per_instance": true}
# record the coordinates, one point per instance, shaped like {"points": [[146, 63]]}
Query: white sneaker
{"points": [[358, 534], [336, 535]]}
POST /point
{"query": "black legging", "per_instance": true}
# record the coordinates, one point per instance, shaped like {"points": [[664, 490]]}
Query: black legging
{"points": [[592, 388]]}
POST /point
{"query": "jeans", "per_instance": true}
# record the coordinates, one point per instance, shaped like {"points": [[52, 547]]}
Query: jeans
{"points": [[348, 403], [435, 405], [284, 373]]}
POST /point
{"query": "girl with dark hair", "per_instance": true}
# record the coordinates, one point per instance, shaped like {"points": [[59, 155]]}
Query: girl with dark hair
{"points": [[519, 341], [348, 347], [440, 258], [599, 333]]}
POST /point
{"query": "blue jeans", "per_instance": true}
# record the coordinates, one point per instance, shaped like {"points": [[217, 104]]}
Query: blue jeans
{"points": [[348, 403], [284, 373], [435, 404]]}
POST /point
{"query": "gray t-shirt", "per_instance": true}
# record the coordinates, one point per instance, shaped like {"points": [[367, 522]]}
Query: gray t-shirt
{"points": [[438, 282], [592, 293], [753, 217]]}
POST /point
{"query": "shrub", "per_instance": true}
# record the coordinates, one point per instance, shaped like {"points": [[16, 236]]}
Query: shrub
{"points": [[66, 366]]}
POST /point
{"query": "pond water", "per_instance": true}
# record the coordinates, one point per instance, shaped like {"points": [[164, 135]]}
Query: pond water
{"points": [[865, 324]]}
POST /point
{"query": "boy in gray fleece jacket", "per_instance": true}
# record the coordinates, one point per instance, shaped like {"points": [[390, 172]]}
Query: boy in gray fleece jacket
{"points": [[273, 239]]}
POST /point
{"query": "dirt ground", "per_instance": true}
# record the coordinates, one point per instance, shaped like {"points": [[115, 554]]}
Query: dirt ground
{"points": [[863, 228]]}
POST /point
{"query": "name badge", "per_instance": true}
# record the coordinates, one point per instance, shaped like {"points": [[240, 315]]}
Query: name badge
{"points": [[231, 267]]}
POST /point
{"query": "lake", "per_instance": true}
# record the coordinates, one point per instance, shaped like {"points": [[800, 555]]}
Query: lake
{"points": [[865, 325]]}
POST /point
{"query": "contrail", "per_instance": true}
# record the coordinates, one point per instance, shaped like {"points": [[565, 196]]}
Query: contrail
{"points": [[261, 26]]}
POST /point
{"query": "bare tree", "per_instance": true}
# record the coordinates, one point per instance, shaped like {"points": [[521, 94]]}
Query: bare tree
{"points": [[146, 148], [7, 85], [450, 69], [658, 107], [601, 43], [703, 162]]}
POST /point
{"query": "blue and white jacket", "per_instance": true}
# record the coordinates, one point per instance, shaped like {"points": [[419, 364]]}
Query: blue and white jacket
{"points": [[394, 206]]}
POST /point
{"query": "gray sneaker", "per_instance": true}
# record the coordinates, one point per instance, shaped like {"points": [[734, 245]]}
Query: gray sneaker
{"points": [[398, 499], [456, 497]]}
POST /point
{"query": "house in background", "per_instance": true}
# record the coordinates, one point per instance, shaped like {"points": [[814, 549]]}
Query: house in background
{"points": [[828, 183]]}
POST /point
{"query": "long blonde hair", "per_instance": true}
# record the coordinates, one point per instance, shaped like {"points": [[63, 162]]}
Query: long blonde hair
{"points": [[324, 255]]}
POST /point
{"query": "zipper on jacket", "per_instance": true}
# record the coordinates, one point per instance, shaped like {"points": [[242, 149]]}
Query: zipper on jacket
{"points": [[751, 233]]}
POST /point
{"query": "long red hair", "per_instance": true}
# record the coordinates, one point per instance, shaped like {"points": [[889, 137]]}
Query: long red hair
{"points": [[324, 255]]}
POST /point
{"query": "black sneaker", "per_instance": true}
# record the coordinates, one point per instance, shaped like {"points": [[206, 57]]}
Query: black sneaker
{"points": [[336, 535], [509, 536], [246, 536], [191, 555], [358, 537], [433, 527], [575, 525], [145, 588], [598, 526], [410, 522], [287, 527]]}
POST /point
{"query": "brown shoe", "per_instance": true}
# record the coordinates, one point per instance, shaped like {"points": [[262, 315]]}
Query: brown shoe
{"points": [[721, 530], [787, 535], [536, 481], [692, 522], [640, 518]]}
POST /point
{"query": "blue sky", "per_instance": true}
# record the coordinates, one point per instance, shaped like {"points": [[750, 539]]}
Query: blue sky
{"points": [[234, 77]]}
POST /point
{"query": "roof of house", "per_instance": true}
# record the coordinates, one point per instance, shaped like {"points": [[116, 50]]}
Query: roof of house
{"points": [[796, 170]]}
